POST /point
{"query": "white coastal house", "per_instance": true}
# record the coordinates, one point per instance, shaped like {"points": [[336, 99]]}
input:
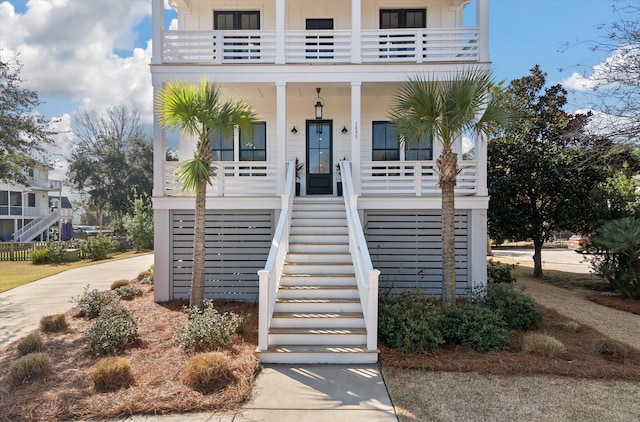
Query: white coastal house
{"points": [[28, 211], [322, 76]]}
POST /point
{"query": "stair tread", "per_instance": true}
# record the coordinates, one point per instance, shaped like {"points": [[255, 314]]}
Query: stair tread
{"points": [[325, 275], [318, 330], [318, 287], [303, 348], [317, 300], [331, 315]]}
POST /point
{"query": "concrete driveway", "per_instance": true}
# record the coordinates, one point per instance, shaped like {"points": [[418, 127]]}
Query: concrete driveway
{"points": [[552, 258], [21, 308]]}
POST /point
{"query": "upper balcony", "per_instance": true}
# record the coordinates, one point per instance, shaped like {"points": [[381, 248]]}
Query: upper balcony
{"points": [[322, 47]]}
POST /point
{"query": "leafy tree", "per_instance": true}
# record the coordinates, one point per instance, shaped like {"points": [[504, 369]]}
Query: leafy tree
{"points": [[198, 110], [140, 226], [443, 110], [541, 174], [615, 83], [113, 160], [24, 134]]}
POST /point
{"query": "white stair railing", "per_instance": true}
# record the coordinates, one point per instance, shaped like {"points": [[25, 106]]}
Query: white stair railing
{"points": [[366, 275], [30, 231], [269, 276]]}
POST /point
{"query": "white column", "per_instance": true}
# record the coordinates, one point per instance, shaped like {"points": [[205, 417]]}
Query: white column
{"points": [[481, 158], [161, 256], [159, 147], [356, 102], [157, 24], [280, 31], [478, 248], [356, 31], [482, 23], [281, 129]]}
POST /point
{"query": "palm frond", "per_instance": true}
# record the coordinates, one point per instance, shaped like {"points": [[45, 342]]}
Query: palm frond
{"points": [[193, 171]]}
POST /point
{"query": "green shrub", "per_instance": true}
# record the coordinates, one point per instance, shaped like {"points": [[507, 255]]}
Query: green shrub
{"points": [[111, 373], [28, 367], [30, 344], [409, 322], [128, 292], [208, 371], [53, 323], [609, 349], [98, 247], [500, 273], [140, 226], [518, 310], [119, 283], [207, 329], [113, 331], [40, 256], [569, 326], [146, 277], [91, 302], [542, 344], [475, 326]]}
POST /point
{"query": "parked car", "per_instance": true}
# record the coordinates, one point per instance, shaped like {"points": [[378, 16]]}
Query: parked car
{"points": [[84, 231], [581, 244]]}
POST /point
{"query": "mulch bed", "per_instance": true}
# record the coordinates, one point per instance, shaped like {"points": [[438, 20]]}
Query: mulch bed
{"points": [[579, 360], [612, 300], [157, 366]]}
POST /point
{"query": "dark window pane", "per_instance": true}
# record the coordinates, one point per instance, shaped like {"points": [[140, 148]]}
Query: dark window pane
{"points": [[4, 197], [253, 145], [31, 199], [16, 199]]}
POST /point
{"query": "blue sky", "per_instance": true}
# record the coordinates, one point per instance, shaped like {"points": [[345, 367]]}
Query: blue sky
{"points": [[91, 54]]}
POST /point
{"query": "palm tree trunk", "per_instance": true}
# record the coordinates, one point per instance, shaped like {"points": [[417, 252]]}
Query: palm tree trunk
{"points": [[448, 169], [197, 279]]}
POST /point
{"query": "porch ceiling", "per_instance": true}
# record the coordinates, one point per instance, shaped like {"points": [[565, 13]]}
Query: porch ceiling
{"points": [[308, 90]]}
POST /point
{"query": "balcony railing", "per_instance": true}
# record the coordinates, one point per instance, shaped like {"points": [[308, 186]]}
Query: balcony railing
{"points": [[413, 178], [377, 178], [243, 178], [327, 46]]}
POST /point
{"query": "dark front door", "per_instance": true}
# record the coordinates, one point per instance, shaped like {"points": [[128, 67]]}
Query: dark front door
{"points": [[319, 161]]}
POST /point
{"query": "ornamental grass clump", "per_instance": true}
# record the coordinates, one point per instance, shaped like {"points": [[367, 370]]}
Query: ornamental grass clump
{"points": [[569, 326], [119, 283], [207, 372], [611, 350], [30, 344], [543, 344], [111, 373], [28, 367], [112, 332], [53, 323], [207, 329]]}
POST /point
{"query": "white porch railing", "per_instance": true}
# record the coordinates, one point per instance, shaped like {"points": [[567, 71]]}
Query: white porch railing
{"points": [[270, 276], [326, 46], [33, 212], [415, 178], [233, 178], [366, 276]]}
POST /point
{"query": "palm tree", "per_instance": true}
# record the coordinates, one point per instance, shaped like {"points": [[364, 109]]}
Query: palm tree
{"points": [[444, 109], [198, 110]]}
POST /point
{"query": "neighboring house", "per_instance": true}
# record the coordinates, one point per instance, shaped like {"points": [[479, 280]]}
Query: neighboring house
{"points": [[321, 76], [27, 212]]}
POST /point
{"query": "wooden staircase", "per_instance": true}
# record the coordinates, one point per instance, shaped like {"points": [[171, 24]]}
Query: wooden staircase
{"points": [[318, 315]]}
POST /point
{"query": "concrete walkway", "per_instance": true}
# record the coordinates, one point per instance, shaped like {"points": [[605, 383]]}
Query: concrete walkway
{"points": [[21, 308], [310, 393]]}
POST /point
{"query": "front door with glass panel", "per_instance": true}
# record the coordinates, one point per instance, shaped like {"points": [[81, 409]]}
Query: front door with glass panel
{"points": [[319, 161]]}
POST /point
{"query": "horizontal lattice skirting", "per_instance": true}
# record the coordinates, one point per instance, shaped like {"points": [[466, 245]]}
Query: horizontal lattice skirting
{"points": [[406, 246], [237, 246]]}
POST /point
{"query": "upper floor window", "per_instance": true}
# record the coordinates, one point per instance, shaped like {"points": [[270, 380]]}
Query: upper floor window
{"points": [[387, 145], [252, 146], [403, 18], [31, 200], [236, 20]]}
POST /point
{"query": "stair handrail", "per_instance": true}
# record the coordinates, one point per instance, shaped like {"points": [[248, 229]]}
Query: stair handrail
{"points": [[269, 276], [30, 230], [366, 276]]}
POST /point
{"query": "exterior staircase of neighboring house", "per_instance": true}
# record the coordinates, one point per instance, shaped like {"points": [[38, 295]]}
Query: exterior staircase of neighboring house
{"points": [[318, 315], [35, 227]]}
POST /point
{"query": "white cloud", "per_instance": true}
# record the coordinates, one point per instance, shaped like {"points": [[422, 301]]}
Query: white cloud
{"points": [[70, 50], [618, 69]]}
